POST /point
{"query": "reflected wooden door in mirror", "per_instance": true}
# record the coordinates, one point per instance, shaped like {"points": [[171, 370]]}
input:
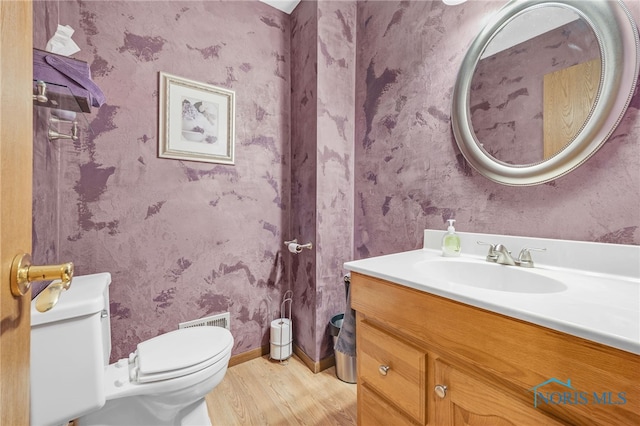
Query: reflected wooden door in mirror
{"points": [[569, 97]]}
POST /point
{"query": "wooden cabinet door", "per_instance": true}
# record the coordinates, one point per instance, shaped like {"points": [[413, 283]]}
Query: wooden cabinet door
{"points": [[473, 402]]}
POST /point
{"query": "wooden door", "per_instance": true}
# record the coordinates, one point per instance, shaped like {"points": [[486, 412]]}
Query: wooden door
{"points": [[16, 133], [569, 95]]}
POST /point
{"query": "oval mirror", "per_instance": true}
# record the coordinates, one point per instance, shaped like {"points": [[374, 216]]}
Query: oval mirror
{"points": [[543, 86]]}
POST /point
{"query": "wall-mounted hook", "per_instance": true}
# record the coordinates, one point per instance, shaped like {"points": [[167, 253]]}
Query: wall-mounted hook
{"points": [[41, 90]]}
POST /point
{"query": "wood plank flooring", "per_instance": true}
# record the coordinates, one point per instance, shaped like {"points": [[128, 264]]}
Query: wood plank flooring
{"points": [[264, 392]]}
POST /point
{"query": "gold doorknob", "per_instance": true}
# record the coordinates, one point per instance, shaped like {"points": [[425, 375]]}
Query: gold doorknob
{"points": [[23, 273]]}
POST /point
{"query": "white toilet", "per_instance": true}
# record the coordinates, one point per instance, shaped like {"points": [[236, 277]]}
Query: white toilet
{"points": [[162, 383]]}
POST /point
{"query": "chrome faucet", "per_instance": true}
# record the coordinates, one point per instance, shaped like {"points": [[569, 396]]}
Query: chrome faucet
{"points": [[500, 255], [503, 256]]}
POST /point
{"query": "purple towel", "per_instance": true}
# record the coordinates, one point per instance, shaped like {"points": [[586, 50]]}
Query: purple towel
{"points": [[64, 71], [81, 74]]}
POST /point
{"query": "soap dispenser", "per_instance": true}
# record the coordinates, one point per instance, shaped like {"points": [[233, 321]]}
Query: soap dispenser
{"points": [[451, 241]]}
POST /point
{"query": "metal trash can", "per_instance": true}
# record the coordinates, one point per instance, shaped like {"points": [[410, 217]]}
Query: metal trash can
{"points": [[345, 364]]}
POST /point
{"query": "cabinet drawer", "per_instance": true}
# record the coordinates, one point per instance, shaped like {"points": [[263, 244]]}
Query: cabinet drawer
{"points": [[374, 411], [404, 383]]}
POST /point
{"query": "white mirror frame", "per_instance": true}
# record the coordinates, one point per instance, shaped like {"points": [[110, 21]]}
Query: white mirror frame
{"points": [[617, 37]]}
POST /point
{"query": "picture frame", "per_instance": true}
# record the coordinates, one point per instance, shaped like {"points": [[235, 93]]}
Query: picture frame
{"points": [[196, 121]]}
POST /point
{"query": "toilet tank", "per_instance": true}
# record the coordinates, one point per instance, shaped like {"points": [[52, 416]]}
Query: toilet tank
{"points": [[70, 347]]}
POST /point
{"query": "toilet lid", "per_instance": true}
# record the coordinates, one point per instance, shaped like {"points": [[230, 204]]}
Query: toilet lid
{"points": [[180, 352]]}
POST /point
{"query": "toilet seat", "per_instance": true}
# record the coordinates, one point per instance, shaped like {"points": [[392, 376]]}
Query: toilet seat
{"points": [[118, 381], [178, 353]]}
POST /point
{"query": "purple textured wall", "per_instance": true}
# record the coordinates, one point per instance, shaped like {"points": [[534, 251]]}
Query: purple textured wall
{"points": [[182, 240], [410, 174], [186, 239], [323, 77], [304, 107], [334, 170]]}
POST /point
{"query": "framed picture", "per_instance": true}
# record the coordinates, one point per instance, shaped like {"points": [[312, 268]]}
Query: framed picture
{"points": [[197, 121]]}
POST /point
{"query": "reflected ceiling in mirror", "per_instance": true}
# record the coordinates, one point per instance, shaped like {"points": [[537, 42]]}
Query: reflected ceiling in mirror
{"points": [[535, 85]]}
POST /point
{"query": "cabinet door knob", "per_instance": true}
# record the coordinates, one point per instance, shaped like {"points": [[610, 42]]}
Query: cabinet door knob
{"points": [[384, 369], [440, 390]]}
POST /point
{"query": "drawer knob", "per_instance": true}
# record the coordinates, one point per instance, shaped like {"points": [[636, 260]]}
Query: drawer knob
{"points": [[384, 369], [440, 390]]}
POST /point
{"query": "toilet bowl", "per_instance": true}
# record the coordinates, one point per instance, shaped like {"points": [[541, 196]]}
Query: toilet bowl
{"points": [[163, 382]]}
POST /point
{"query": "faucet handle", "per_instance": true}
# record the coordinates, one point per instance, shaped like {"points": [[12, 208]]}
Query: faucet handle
{"points": [[524, 258], [492, 256]]}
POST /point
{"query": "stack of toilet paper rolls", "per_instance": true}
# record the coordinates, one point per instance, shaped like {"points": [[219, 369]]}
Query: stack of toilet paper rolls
{"points": [[281, 339]]}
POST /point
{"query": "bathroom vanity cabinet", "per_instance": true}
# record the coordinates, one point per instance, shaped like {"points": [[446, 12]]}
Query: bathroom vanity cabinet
{"points": [[428, 360]]}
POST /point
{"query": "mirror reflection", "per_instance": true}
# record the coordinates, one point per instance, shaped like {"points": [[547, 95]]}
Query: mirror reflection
{"points": [[535, 85]]}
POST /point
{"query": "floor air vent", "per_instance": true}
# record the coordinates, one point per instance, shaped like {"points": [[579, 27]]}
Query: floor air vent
{"points": [[220, 320]]}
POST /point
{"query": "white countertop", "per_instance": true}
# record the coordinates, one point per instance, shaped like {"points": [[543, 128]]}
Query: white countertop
{"points": [[601, 304]]}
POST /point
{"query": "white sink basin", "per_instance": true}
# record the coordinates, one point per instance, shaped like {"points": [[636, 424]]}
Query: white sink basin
{"points": [[586, 289], [490, 276]]}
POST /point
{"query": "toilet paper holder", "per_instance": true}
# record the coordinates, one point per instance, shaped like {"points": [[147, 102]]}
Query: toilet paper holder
{"points": [[281, 340], [296, 248]]}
